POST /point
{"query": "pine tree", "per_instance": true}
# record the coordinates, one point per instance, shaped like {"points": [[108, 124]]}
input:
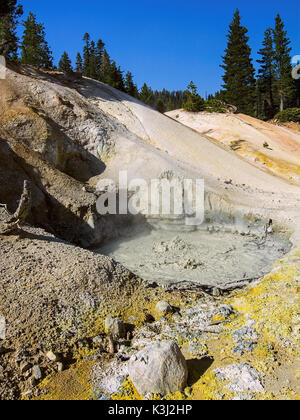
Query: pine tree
{"points": [[130, 87], [93, 61], [160, 106], [239, 77], [116, 77], [147, 95], [106, 68], [285, 83], [193, 101], [266, 81], [35, 49], [65, 64], [10, 12], [99, 59], [4, 8], [297, 94], [171, 106], [79, 63], [86, 55]]}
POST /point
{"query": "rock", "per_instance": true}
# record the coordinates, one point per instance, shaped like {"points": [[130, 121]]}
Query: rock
{"points": [[223, 310], [60, 367], [216, 292], [160, 368], [2, 328], [51, 356], [163, 308], [115, 326], [242, 377], [24, 367], [198, 349], [133, 319], [98, 341], [37, 373]]}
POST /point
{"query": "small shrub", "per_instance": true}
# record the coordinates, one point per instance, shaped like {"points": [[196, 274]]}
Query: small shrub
{"points": [[266, 145], [215, 105], [289, 115]]}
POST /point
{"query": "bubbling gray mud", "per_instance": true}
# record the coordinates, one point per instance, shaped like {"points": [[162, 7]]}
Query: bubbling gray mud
{"points": [[198, 257]]}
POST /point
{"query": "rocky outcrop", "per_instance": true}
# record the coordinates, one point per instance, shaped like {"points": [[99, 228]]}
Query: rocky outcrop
{"points": [[159, 369]]}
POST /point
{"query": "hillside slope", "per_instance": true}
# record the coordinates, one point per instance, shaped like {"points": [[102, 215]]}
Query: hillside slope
{"points": [[62, 134], [272, 148]]}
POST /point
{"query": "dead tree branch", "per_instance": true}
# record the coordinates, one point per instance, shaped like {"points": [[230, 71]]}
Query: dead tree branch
{"points": [[14, 221]]}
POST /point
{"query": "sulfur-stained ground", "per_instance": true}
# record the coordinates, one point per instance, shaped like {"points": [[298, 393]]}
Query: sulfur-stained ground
{"points": [[252, 334]]}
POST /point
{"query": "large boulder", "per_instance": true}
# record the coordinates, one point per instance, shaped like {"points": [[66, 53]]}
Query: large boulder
{"points": [[159, 369]]}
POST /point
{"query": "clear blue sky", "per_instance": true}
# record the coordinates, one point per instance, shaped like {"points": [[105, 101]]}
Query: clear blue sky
{"points": [[165, 43]]}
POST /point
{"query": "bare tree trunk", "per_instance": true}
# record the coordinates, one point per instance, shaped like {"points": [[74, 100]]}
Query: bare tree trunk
{"points": [[281, 102], [14, 221]]}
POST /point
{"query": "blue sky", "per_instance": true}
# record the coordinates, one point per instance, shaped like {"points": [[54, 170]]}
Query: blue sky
{"points": [[165, 43]]}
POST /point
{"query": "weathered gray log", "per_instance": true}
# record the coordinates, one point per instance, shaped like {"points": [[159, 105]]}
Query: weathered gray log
{"points": [[227, 287], [14, 221]]}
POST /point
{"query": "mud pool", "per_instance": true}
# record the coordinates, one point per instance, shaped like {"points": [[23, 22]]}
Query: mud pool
{"points": [[200, 257]]}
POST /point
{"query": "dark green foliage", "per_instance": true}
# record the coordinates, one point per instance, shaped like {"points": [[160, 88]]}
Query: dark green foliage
{"points": [[239, 77], [116, 77], [170, 100], [130, 86], [290, 114], [160, 106], [34, 48], [79, 63], [193, 101], [4, 8], [285, 84], [98, 65], [10, 12], [86, 55], [90, 58], [65, 64], [266, 77], [297, 93], [147, 95], [215, 105], [99, 58], [93, 61]]}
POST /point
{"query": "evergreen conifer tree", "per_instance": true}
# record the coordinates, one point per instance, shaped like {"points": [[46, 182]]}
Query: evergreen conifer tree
{"points": [[106, 68], [79, 63], [34, 48], [266, 80], [65, 64], [86, 54], [239, 77], [10, 12], [130, 87], [116, 77], [160, 106], [283, 67], [92, 72], [147, 95], [99, 59], [193, 101]]}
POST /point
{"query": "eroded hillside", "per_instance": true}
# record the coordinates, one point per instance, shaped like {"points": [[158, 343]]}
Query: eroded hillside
{"points": [[272, 148], [64, 133]]}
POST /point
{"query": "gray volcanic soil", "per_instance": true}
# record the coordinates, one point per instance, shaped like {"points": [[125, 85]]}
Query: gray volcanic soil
{"points": [[212, 258]]}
